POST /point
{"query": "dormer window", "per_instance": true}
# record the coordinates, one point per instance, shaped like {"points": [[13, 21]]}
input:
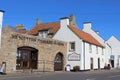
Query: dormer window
{"points": [[44, 33]]}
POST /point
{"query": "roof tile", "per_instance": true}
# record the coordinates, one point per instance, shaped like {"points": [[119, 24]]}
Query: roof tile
{"points": [[85, 36], [53, 26]]}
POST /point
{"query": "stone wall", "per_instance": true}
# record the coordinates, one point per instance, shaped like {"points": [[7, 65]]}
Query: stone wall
{"points": [[47, 49]]}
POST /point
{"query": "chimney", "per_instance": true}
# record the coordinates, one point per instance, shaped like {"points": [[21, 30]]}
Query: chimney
{"points": [[19, 26], [87, 25], [73, 20], [1, 20], [38, 21], [64, 22]]}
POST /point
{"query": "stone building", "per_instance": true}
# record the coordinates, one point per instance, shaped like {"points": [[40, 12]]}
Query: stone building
{"points": [[21, 51], [53, 45]]}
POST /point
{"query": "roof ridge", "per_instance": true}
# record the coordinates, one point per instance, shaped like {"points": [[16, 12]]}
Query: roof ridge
{"points": [[50, 22]]}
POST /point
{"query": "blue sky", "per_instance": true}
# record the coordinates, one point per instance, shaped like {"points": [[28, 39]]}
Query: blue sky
{"points": [[104, 14]]}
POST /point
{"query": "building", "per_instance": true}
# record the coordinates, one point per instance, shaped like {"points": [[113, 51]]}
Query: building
{"points": [[113, 52], [21, 51], [54, 45], [83, 49], [88, 29]]}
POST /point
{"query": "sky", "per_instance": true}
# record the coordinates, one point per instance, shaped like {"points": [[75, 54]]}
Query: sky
{"points": [[104, 14]]}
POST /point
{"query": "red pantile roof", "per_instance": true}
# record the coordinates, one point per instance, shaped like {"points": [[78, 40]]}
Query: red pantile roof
{"points": [[85, 36], [52, 26]]}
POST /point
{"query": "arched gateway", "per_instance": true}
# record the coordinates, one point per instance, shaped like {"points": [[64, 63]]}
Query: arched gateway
{"points": [[27, 58], [58, 62]]}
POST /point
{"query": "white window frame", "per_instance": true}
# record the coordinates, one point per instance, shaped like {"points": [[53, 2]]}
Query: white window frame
{"points": [[43, 34]]}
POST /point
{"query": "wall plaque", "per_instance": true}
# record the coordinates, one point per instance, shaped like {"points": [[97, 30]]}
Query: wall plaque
{"points": [[74, 57]]}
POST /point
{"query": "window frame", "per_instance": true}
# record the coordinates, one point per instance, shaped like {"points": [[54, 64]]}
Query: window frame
{"points": [[90, 48], [97, 52], [72, 46], [44, 33]]}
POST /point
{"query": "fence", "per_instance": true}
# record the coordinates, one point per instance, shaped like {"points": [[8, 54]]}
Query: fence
{"points": [[45, 65]]}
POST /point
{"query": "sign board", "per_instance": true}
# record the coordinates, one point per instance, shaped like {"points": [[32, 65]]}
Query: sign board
{"points": [[74, 57], [118, 56], [37, 40], [112, 57]]}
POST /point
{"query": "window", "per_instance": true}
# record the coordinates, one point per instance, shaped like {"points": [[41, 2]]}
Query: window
{"points": [[43, 34], [27, 58], [72, 46], [102, 51], [96, 49], [90, 48]]}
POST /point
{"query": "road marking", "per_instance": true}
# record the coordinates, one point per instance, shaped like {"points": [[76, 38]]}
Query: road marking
{"points": [[91, 79], [114, 76]]}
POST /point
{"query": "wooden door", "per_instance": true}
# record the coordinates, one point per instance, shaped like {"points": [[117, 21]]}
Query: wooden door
{"points": [[58, 62]]}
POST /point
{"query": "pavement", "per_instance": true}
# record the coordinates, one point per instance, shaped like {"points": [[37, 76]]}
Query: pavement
{"points": [[57, 72]]}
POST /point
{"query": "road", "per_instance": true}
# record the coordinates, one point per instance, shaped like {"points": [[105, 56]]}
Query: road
{"points": [[89, 75]]}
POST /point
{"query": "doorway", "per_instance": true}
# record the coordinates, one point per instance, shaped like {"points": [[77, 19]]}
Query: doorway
{"points": [[91, 63], [112, 63], [98, 63], [58, 62], [27, 58]]}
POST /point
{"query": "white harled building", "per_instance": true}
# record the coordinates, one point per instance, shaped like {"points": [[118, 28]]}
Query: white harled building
{"points": [[83, 49], [113, 52]]}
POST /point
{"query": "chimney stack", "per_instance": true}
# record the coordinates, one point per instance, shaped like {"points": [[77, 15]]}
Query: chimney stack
{"points": [[64, 22], [38, 21], [19, 26], [73, 20], [87, 25]]}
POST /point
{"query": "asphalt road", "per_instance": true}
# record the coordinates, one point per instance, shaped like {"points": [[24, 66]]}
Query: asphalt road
{"points": [[89, 75]]}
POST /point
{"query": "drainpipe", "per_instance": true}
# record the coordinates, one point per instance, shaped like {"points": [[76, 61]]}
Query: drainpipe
{"points": [[84, 53]]}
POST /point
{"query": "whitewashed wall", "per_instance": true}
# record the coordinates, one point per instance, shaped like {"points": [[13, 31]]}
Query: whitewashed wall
{"points": [[65, 34], [81, 48], [88, 28], [108, 52], [95, 57], [115, 49]]}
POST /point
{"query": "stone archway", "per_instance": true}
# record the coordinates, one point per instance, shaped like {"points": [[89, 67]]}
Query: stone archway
{"points": [[27, 58], [58, 62]]}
